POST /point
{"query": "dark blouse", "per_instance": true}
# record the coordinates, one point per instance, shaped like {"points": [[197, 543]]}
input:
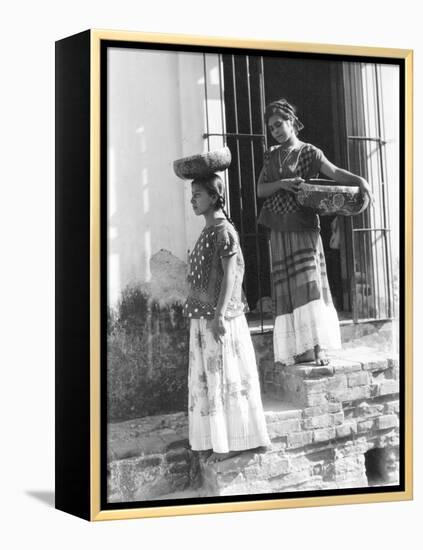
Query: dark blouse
{"points": [[281, 211]]}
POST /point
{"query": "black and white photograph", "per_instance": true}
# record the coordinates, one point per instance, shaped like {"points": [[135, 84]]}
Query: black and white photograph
{"points": [[211, 275], [253, 286]]}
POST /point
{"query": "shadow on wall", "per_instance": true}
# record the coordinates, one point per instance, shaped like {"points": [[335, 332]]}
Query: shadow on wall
{"points": [[147, 357], [156, 114], [158, 110]]}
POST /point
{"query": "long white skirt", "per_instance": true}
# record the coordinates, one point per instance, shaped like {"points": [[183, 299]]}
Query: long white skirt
{"points": [[315, 323], [225, 410]]}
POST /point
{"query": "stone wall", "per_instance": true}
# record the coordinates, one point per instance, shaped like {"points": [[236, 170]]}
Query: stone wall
{"points": [[336, 416], [150, 457], [331, 427]]}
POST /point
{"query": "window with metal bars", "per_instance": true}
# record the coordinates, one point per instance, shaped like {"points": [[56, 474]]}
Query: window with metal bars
{"points": [[371, 269], [342, 107]]}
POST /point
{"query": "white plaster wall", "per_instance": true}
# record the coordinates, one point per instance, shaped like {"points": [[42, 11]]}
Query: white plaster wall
{"points": [[156, 114]]}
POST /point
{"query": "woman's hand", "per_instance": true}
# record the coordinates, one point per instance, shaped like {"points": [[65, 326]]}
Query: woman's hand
{"points": [[291, 184], [218, 328], [366, 190], [343, 177]]}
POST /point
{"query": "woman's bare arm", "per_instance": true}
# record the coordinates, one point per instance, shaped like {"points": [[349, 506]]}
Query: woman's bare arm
{"points": [[217, 325], [344, 177], [266, 189]]}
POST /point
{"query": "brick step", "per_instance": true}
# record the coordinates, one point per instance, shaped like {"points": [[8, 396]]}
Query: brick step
{"points": [[321, 421], [308, 452], [352, 375]]}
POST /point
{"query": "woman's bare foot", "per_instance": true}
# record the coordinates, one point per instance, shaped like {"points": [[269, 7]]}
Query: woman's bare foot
{"points": [[218, 457], [320, 356]]}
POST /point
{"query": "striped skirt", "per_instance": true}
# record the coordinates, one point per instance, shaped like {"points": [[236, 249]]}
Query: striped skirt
{"points": [[225, 410], [305, 314]]}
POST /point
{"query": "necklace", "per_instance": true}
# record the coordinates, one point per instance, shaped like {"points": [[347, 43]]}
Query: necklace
{"points": [[283, 157]]}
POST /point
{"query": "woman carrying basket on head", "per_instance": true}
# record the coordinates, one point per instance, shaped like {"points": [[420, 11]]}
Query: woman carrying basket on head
{"points": [[224, 405]]}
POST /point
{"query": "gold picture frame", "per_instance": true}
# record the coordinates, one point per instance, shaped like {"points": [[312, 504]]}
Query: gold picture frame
{"points": [[81, 375]]}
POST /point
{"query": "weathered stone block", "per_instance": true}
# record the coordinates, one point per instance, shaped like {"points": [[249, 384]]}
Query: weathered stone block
{"points": [[137, 447], [179, 467], [314, 422], [358, 392], [350, 471], [334, 406], [358, 379], [317, 469], [347, 429], [291, 481], [392, 407], [365, 425], [297, 371], [131, 479], [343, 366], [314, 386], [299, 462], [273, 465], [314, 399], [235, 464], [149, 461], [387, 387], [337, 418], [350, 464], [375, 365], [178, 455], [315, 411], [280, 443], [299, 439], [366, 409], [321, 371], [324, 434], [292, 387], [277, 416], [393, 362], [337, 382], [396, 373], [230, 478], [359, 445], [387, 421], [277, 429]]}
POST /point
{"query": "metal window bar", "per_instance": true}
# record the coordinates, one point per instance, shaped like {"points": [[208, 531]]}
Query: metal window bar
{"points": [[372, 292], [254, 191], [246, 189], [206, 101]]}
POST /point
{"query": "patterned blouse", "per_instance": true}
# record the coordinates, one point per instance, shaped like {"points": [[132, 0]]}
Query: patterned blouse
{"points": [[206, 272], [281, 211]]}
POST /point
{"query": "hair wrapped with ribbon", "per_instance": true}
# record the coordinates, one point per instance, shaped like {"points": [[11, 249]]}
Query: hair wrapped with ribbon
{"points": [[283, 108]]}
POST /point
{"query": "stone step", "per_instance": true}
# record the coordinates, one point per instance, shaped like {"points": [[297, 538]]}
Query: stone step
{"points": [[321, 422], [351, 375]]}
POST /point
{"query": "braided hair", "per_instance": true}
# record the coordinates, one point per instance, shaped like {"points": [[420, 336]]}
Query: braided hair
{"points": [[215, 188]]}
